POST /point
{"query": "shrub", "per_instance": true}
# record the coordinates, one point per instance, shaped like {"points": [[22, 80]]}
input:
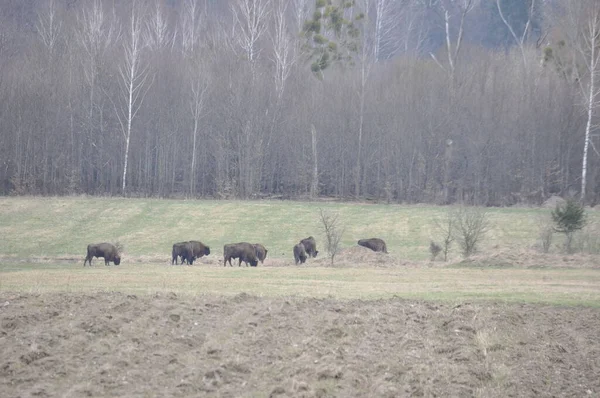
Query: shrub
{"points": [[569, 218]]}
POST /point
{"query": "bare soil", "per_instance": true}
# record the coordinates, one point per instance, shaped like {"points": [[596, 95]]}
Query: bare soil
{"points": [[113, 344]]}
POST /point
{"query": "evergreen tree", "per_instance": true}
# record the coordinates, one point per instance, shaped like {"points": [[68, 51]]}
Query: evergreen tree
{"points": [[569, 218]]}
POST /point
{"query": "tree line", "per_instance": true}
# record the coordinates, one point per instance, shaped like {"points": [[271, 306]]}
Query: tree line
{"points": [[436, 101]]}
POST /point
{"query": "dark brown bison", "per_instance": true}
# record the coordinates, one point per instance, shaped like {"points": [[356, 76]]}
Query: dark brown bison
{"points": [[183, 250], [375, 244], [310, 246], [261, 252], [299, 253], [106, 250], [243, 251], [189, 251], [198, 249]]}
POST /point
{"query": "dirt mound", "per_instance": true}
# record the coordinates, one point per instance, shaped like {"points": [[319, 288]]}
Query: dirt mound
{"points": [[530, 258], [359, 256], [111, 344]]}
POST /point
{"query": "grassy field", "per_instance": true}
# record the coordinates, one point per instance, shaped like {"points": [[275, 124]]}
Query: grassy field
{"points": [[44, 239], [552, 286], [64, 226]]}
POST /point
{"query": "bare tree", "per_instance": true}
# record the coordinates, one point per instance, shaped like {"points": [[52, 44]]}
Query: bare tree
{"points": [[519, 39], [134, 83], [95, 34], [584, 17], [470, 224], [284, 51], [157, 36], [190, 22], [301, 9], [199, 89], [449, 10], [250, 23], [314, 184], [445, 225], [388, 19], [367, 56], [333, 232], [49, 26]]}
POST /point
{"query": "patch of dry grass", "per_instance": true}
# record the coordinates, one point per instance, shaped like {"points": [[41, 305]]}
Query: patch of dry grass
{"points": [[558, 286]]}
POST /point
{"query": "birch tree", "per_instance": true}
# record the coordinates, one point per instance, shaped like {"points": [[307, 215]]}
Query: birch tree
{"points": [[250, 23], [96, 33], [388, 19], [284, 51], [583, 17], [197, 103], [134, 81], [522, 36], [49, 27], [190, 22], [157, 36], [451, 10]]}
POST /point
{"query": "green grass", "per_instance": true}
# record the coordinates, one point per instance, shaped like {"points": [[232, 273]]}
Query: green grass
{"points": [[552, 286], [53, 227], [59, 228]]}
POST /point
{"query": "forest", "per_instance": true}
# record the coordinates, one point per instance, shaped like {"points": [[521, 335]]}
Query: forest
{"points": [[490, 102]]}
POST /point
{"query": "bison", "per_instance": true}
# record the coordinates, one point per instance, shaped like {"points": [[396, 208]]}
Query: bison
{"points": [[243, 251], [310, 246], [189, 251], [375, 244], [198, 249], [261, 252], [106, 250], [299, 253], [183, 250]]}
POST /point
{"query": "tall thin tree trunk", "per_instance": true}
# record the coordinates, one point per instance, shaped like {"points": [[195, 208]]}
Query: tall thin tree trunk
{"points": [[129, 118], [590, 104], [314, 186], [193, 166]]}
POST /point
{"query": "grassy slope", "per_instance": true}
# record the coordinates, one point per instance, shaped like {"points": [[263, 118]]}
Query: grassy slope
{"points": [[55, 227], [64, 226]]}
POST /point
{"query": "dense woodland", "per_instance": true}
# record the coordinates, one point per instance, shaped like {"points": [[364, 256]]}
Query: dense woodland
{"points": [[439, 101]]}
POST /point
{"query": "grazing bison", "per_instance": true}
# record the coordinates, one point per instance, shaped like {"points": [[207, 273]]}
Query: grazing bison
{"points": [[375, 244], [243, 251], [261, 252], [106, 250], [310, 245], [183, 250], [299, 253]]}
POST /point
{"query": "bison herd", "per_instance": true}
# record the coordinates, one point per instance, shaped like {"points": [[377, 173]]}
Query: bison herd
{"points": [[248, 253]]}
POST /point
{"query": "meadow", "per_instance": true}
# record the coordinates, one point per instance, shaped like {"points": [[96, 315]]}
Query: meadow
{"points": [[44, 243], [53, 227]]}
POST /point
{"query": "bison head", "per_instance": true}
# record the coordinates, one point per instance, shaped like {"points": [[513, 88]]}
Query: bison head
{"points": [[207, 251], [117, 260], [253, 263]]}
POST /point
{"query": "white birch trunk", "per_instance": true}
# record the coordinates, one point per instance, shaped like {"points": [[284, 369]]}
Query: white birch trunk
{"points": [[314, 186]]}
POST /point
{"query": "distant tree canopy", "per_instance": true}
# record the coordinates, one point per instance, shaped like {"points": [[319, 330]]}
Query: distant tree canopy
{"points": [[220, 101]]}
